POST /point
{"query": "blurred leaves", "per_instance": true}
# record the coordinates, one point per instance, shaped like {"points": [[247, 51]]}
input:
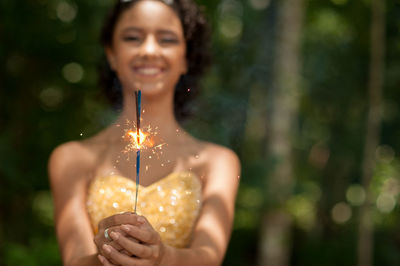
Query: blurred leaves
{"points": [[49, 95]]}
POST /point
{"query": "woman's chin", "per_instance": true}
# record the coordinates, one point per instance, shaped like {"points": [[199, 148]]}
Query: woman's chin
{"points": [[151, 89]]}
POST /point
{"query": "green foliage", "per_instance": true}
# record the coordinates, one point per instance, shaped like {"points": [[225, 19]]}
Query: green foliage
{"points": [[49, 95]]}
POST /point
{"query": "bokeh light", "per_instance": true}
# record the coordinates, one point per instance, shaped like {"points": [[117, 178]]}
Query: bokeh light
{"points": [[259, 4], [303, 210], [355, 194], [385, 203], [341, 213], [73, 72], [51, 97], [66, 12], [231, 26]]}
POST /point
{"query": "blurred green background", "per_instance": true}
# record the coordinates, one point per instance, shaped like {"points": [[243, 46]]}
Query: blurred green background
{"points": [[49, 53]]}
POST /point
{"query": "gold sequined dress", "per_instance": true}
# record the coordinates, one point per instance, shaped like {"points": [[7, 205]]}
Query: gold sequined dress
{"points": [[171, 204]]}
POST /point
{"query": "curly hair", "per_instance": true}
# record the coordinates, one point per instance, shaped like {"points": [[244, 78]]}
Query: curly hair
{"points": [[196, 33]]}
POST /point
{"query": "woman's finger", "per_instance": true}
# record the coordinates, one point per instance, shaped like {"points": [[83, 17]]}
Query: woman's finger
{"points": [[148, 236], [118, 219], [100, 238], [119, 257], [104, 261], [137, 249]]}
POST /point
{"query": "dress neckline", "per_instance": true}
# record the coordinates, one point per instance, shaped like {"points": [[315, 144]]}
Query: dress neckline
{"points": [[159, 181]]}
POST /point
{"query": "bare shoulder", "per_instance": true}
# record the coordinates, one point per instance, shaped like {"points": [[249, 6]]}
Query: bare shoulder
{"points": [[69, 158], [223, 167], [220, 156]]}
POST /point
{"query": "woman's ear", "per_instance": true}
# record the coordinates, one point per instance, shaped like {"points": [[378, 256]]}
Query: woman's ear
{"points": [[110, 57]]}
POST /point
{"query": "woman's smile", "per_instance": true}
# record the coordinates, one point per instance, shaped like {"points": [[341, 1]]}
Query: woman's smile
{"points": [[148, 71], [149, 49]]}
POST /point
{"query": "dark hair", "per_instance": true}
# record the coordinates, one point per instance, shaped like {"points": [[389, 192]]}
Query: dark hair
{"points": [[196, 33]]}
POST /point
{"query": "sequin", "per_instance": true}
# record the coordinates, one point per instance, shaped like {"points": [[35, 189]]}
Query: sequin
{"points": [[171, 205]]}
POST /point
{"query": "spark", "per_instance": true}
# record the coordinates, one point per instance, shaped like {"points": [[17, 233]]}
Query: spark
{"points": [[160, 146]]}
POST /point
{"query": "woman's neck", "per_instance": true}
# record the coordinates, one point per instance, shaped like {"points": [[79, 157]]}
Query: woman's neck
{"points": [[158, 114]]}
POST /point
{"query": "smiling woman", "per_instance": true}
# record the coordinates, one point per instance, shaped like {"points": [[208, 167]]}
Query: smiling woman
{"points": [[188, 189], [190, 32], [146, 53]]}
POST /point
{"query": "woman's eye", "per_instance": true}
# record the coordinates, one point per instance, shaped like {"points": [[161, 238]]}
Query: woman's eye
{"points": [[131, 39], [168, 41]]}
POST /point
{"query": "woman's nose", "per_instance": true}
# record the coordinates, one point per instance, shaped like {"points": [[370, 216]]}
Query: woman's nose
{"points": [[150, 46]]}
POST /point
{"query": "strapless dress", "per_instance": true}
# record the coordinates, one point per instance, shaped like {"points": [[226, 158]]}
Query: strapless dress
{"points": [[171, 204]]}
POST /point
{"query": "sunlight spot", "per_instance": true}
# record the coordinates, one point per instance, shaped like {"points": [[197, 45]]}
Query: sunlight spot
{"points": [[73, 72], [355, 194], [231, 26], [259, 4], [385, 203], [51, 97], [341, 213], [66, 12]]}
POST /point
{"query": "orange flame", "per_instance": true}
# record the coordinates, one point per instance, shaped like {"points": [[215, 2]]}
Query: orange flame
{"points": [[137, 140]]}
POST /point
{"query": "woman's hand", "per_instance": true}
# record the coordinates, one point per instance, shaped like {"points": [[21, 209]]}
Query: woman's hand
{"points": [[113, 223], [148, 251], [100, 239]]}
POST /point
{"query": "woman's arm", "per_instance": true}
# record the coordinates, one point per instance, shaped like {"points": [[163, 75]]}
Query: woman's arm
{"points": [[67, 167], [213, 229]]}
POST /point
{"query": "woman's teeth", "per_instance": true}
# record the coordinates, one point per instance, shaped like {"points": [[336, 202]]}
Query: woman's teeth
{"points": [[149, 70]]}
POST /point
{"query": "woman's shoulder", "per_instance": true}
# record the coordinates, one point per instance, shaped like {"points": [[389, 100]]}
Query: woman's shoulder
{"points": [[72, 150], [70, 157], [219, 151], [222, 166], [218, 156]]}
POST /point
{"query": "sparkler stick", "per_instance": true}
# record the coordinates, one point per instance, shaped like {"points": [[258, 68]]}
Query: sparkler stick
{"points": [[138, 97]]}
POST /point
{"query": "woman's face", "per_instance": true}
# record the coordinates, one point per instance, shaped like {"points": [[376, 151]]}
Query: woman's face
{"points": [[148, 50]]}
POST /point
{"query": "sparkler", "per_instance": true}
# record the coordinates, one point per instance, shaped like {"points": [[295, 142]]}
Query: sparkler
{"points": [[140, 140], [138, 97]]}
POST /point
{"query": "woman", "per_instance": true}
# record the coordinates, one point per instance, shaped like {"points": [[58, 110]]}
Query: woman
{"points": [[187, 189]]}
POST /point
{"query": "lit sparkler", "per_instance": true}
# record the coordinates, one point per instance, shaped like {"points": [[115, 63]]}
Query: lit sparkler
{"points": [[139, 140]]}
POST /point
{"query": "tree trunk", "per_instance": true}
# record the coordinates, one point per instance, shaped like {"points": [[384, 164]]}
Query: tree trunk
{"points": [[275, 238], [375, 87]]}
